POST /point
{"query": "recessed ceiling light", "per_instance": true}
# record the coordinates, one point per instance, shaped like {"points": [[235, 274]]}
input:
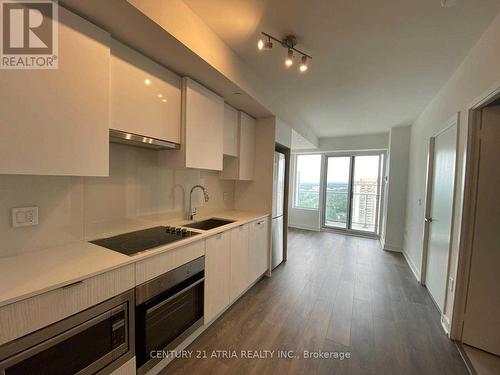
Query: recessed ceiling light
{"points": [[160, 95], [147, 81]]}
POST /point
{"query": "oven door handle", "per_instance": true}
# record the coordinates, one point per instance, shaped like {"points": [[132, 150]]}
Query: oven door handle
{"points": [[163, 303]]}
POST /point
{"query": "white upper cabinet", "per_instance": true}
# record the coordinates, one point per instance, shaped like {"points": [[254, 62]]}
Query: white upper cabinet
{"points": [[56, 122], [247, 146], [202, 133], [145, 96], [242, 167], [231, 131]]}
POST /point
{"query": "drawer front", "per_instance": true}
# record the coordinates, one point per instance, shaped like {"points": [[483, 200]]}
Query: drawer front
{"points": [[157, 265], [31, 314]]}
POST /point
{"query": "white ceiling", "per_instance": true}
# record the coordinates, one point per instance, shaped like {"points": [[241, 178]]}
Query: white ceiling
{"points": [[376, 64]]}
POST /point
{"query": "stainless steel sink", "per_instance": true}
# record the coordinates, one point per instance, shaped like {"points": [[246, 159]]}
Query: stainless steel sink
{"points": [[208, 224]]}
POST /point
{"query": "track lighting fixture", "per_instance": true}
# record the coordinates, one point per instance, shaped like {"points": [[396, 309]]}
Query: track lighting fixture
{"points": [[289, 42]]}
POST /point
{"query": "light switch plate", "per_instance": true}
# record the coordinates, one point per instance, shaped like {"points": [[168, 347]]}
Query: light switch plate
{"points": [[24, 216]]}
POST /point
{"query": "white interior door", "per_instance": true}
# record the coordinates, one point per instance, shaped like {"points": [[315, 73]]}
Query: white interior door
{"points": [[482, 315], [443, 185]]}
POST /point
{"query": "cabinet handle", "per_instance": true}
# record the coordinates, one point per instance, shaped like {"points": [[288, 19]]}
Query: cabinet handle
{"points": [[73, 284], [261, 222]]}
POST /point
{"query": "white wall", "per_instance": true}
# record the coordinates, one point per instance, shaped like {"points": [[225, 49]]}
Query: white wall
{"points": [[283, 133], [477, 75], [309, 218], [138, 192], [304, 219], [353, 143], [394, 211]]}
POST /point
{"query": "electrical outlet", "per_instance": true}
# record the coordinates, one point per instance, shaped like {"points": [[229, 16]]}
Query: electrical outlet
{"points": [[24, 216]]}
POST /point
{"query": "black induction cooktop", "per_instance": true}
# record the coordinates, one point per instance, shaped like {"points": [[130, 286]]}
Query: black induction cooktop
{"points": [[135, 242]]}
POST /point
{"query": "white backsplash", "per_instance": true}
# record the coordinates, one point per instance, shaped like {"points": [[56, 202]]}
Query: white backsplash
{"points": [[138, 193]]}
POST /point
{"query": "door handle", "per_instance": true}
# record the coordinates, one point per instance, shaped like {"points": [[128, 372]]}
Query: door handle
{"points": [[428, 219]]}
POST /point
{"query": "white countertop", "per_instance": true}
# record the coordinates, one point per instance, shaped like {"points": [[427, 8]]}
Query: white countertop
{"points": [[29, 274]]}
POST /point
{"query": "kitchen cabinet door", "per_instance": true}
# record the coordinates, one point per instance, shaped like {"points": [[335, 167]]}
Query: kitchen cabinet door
{"points": [[231, 131], [145, 96], [202, 130], [258, 250], [217, 274], [239, 261], [242, 167], [247, 146], [56, 122]]}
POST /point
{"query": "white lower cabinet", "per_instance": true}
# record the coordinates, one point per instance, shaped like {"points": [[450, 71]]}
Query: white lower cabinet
{"points": [[234, 260], [258, 250], [239, 261], [217, 274]]}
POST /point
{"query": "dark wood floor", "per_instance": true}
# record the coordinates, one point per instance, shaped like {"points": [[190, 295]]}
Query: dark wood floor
{"points": [[335, 293]]}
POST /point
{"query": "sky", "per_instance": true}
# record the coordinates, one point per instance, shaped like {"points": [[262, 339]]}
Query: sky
{"points": [[309, 167]]}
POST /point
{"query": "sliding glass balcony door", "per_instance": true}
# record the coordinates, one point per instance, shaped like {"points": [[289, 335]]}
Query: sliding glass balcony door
{"points": [[352, 192], [337, 192]]}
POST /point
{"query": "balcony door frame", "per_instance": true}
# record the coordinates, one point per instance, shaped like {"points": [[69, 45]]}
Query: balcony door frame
{"points": [[380, 201]]}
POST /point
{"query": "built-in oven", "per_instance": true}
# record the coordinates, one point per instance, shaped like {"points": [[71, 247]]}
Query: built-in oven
{"points": [[95, 341], [169, 309]]}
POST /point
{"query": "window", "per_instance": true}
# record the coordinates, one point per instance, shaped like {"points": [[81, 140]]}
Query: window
{"points": [[308, 171], [353, 192]]}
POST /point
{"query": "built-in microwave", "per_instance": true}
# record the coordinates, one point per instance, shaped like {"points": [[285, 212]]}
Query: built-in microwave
{"points": [[95, 341]]}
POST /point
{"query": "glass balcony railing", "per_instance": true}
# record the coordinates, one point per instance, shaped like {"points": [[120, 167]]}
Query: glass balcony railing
{"points": [[336, 208], [307, 199], [364, 208]]}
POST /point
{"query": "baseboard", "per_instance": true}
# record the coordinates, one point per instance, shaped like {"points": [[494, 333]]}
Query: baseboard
{"points": [[305, 227], [412, 266], [390, 247], [445, 323]]}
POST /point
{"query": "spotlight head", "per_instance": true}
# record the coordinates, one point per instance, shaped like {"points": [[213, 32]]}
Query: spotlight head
{"points": [[303, 64], [260, 44], [289, 59]]}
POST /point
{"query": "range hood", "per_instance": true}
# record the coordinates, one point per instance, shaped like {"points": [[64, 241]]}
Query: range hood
{"points": [[118, 136]]}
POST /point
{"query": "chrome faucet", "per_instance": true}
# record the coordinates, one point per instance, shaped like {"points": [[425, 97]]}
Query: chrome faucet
{"points": [[192, 211]]}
